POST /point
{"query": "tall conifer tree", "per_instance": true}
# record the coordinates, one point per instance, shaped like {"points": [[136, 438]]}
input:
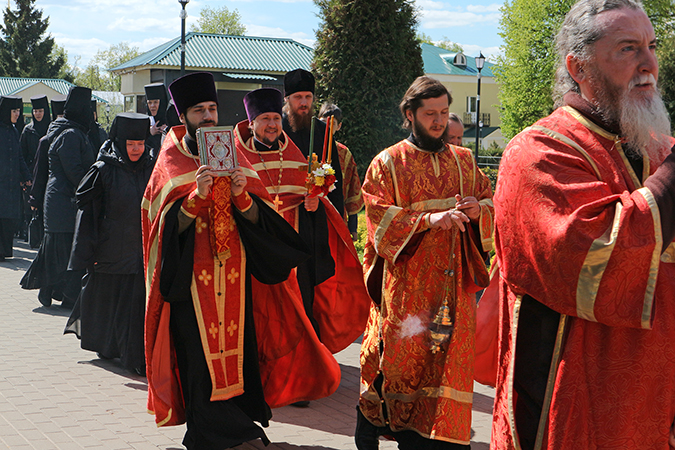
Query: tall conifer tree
{"points": [[366, 56], [25, 51]]}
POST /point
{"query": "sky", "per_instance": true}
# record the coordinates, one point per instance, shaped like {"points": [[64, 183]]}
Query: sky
{"points": [[84, 27]]}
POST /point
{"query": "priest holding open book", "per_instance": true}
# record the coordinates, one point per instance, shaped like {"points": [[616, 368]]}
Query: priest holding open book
{"points": [[206, 233]]}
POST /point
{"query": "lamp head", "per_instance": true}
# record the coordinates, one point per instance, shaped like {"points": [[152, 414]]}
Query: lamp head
{"points": [[480, 61]]}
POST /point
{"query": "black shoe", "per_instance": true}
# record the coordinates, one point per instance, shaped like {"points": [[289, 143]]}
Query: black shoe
{"points": [[301, 404], [140, 371], [102, 356], [45, 299]]}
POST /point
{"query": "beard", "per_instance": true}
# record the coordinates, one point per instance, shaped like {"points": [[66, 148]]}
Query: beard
{"points": [[192, 127], [642, 117], [425, 140], [298, 121]]}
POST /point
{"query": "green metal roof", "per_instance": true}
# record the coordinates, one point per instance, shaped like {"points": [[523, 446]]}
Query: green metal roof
{"points": [[12, 86], [440, 60], [249, 76], [245, 53]]}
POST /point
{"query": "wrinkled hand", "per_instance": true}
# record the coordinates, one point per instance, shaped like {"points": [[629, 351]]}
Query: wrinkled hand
{"points": [[311, 203], [355, 236], [155, 130], [447, 219], [238, 181], [469, 206], [205, 176]]}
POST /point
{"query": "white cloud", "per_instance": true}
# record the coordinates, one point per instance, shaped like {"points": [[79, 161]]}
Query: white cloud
{"points": [[139, 23], [452, 19], [429, 4], [490, 53], [84, 48]]}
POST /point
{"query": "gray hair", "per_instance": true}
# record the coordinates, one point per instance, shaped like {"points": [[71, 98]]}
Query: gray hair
{"points": [[453, 117], [577, 35]]}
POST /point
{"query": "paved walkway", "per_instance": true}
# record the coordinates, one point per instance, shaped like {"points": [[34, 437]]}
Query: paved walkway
{"points": [[54, 395]]}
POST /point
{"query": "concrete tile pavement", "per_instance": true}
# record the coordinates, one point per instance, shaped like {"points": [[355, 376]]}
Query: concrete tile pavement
{"points": [[54, 395]]}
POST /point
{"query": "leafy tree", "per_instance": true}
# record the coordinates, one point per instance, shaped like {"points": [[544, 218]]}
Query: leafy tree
{"points": [[25, 51], [526, 67], [219, 21], [67, 72], [445, 43], [366, 57], [95, 75]]}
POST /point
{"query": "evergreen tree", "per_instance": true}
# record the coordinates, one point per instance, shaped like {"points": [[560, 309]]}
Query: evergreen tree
{"points": [[25, 51], [366, 56], [526, 68]]}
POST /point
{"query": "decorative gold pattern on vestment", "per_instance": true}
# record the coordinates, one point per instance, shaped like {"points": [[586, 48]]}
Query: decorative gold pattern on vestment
{"points": [[647, 307], [594, 267]]}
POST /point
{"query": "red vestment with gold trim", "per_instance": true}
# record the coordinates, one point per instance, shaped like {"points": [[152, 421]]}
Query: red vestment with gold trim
{"points": [[577, 232], [341, 303], [410, 269], [351, 183]]}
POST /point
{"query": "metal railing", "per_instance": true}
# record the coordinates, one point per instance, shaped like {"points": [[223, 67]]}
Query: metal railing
{"points": [[489, 161], [470, 119]]}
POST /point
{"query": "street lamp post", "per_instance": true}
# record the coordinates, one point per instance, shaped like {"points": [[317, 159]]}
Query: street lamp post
{"points": [[480, 61], [183, 16]]}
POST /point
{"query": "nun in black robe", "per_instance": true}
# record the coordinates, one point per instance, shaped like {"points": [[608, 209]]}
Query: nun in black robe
{"points": [[109, 313], [13, 174]]}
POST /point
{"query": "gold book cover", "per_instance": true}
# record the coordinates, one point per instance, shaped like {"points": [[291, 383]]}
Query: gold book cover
{"points": [[216, 149]]}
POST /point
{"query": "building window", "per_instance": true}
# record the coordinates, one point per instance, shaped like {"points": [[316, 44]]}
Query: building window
{"points": [[471, 104], [129, 103], [459, 60], [141, 105]]}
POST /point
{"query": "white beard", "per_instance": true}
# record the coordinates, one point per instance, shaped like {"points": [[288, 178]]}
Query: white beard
{"points": [[646, 126], [642, 117]]}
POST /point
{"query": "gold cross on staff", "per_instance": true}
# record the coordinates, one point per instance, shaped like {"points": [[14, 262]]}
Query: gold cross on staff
{"points": [[277, 202]]}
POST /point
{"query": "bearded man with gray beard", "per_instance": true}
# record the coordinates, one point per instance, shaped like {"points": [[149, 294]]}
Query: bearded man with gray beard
{"points": [[585, 220]]}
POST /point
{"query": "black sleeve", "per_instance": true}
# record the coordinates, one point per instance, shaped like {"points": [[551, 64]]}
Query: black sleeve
{"points": [[25, 150], [40, 174], [68, 146], [89, 197], [273, 248], [662, 186], [177, 258]]}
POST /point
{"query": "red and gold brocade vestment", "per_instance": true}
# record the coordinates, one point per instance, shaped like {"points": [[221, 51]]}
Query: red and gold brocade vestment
{"points": [[578, 232], [351, 184], [341, 302], [410, 268]]}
